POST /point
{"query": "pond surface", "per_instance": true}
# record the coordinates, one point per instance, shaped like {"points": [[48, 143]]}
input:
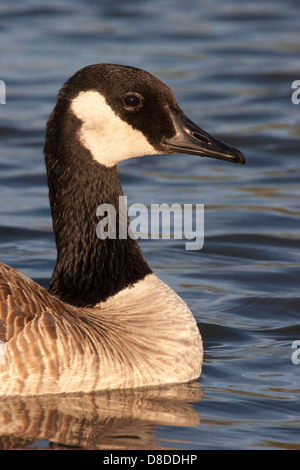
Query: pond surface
{"points": [[231, 66]]}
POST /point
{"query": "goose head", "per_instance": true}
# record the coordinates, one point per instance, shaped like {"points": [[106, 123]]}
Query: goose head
{"points": [[106, 114], [125, 112]]}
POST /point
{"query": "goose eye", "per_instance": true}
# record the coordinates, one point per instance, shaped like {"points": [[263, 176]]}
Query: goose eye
{"points": [[133, 101]]}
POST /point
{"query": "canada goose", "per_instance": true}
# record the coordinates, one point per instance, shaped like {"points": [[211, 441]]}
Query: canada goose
{"points": [[107, 321]]}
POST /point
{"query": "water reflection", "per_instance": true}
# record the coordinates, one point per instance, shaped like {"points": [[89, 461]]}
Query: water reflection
{"points": [[112, 420]]}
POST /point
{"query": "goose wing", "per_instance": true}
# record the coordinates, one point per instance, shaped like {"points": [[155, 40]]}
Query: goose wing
{"points": [[21, 299], [41, 338]]}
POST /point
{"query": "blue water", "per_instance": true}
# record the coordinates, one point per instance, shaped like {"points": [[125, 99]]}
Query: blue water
{"points": [[231, 65]]}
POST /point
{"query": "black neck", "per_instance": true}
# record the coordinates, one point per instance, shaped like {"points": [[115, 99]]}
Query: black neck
{"points": [[88, 270]]}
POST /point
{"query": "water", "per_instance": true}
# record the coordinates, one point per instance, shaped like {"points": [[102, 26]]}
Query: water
{"points": [[231, 65]]}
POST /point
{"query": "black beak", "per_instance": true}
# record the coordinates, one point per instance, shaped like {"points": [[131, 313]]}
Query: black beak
{"points": [[189, 138]]}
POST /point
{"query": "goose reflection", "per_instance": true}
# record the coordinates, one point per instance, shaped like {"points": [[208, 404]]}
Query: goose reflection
{"points": [[112, 420]]}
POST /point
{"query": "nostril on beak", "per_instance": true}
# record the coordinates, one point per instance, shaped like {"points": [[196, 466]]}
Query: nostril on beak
{"points": [[200, 137]]}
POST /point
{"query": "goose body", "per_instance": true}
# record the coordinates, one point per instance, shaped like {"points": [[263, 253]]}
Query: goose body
{"points": [[106, 321]]}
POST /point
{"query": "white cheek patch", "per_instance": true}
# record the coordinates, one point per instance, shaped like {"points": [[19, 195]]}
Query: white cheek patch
{"points": [[109, 139]]}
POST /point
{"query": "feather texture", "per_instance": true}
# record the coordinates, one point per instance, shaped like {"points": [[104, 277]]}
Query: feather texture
{"points": [[53, 347]]}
